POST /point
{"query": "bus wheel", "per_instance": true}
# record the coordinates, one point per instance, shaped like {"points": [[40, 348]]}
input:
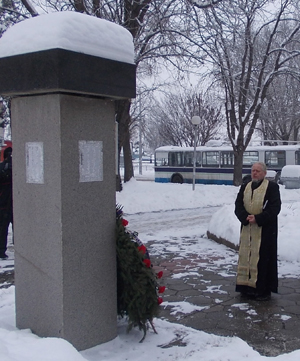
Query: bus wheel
{"points": [[177, 178]]}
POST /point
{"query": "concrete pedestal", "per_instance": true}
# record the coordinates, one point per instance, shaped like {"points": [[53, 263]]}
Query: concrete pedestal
{"points": [[64, 229], [64, 194]]}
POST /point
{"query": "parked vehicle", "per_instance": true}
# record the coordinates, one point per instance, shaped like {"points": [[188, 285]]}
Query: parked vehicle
{"points": [[290, 176], [214, 165]]}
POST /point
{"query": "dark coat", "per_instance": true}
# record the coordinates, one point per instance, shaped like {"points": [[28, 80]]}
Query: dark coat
{"points": [[267, 266], [6, 185]]}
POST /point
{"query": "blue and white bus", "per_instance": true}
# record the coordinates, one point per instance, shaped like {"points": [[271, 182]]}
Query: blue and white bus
{"points": [[214, 165]]}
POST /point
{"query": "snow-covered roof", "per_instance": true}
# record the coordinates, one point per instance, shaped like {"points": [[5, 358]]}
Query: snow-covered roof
{"points": [[172, 148], [71, 31]]}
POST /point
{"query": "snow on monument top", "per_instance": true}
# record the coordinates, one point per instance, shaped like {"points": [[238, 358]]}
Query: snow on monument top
{"points": [[70, 31]]}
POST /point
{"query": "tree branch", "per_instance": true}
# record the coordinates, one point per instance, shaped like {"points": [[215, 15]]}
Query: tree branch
{"points": [[30, 8], [13, 11], [204, 4]]}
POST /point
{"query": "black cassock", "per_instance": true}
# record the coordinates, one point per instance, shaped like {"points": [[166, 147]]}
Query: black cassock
{"points": [[267, 279]]}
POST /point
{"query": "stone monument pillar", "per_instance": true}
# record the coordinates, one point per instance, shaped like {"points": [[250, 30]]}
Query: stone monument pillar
{"points": [[63, 133]]}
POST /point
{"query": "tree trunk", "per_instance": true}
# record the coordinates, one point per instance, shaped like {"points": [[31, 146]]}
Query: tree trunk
{"points": [[119, 186], [128, 166], [238, 167], [123, 119]]}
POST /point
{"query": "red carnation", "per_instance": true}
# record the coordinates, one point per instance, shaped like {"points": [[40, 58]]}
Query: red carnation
{"points": [[159, 300], [124, 222], [161, 289], [147, 262], [142, 249], [159, 274]]}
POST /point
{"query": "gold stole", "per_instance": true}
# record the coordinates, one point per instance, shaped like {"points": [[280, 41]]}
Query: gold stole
{"points": [[250, 238]]}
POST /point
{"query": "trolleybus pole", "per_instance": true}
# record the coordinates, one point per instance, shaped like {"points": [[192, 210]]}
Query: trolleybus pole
{"points": [[195, 122]]}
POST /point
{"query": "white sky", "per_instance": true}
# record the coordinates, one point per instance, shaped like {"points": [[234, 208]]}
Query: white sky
{"points": [[71, 31], [150, 197]]}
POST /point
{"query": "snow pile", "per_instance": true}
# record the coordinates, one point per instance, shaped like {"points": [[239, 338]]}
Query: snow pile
{"points": [[153, 197], [224, 224], [17, 345], [71, 31], [290, 176], [290, 171], [150, 196]]}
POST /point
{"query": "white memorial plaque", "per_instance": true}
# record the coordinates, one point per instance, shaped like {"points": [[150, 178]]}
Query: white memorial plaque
{"points": [[90, 161], [34, 162]]}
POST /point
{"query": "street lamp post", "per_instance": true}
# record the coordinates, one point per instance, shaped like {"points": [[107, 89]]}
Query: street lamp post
{"points": [[140, 149], [140, 141], [195, 122]]}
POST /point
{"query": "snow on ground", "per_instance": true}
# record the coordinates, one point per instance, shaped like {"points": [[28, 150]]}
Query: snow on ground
{"points": [[163, 197], [158, 205]]}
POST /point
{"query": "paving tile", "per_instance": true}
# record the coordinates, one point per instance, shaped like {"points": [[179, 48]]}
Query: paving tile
{"points": [[270, 327]]}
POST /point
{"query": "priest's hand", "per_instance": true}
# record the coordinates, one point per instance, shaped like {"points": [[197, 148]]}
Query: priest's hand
{"points": [[251, 219]]}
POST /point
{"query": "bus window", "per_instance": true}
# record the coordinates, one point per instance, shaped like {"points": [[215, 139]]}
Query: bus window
{"points": [[188, 159], [297, 157], [161, 159], [227, 159], [198, 159], [250, 158], [275, 158], [175, 159], [210, 159]]}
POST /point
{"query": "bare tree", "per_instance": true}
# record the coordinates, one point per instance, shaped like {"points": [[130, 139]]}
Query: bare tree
{"points": [[11, 12], [3, 113], [280, 113], [247, 48], [152, 24], [171, 120]]}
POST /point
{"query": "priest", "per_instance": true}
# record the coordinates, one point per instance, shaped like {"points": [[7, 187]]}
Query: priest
{"points": [[257, 206]]}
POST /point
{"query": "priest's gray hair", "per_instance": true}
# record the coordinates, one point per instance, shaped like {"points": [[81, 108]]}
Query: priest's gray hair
{"points": [[262, 164]]}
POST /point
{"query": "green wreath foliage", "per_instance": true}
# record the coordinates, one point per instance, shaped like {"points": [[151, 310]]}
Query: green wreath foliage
{"points": [[137, 288]]}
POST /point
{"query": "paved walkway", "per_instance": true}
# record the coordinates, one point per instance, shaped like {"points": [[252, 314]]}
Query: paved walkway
{"points": [[270, 327]]}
